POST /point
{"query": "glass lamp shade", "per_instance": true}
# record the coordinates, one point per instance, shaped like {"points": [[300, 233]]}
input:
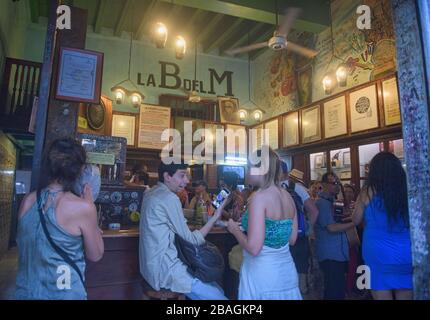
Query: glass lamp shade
{"points": [[181, 47]]}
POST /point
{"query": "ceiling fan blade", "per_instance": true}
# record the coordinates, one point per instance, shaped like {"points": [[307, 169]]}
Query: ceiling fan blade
{"points": [[288, 20], [301, 50], [255, 46]]}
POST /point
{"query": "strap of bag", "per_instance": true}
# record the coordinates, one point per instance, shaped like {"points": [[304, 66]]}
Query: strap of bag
{"points": [[60, 251]]}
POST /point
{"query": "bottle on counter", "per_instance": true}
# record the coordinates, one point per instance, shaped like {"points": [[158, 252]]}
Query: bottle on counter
{"points": [[201, 212]]}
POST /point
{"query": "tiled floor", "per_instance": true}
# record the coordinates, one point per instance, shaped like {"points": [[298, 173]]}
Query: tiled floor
{"points": [[8, 270]]}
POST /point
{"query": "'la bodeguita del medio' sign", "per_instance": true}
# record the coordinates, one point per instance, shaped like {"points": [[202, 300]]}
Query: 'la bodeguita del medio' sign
{"points": [[170, 79]]}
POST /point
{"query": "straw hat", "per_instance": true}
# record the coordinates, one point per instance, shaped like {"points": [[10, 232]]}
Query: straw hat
{"points": [[297, 175]]}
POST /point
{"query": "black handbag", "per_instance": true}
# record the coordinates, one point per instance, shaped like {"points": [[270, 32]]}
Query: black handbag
{"points": [[204, 262]]}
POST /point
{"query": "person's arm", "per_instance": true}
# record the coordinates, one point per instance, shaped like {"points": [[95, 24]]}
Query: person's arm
{"points": [[312, 210], [253, 242], [211, 222], [93, 241], [360, 205], [308, 203], [340, 227], [295, 230], [326, 220]]}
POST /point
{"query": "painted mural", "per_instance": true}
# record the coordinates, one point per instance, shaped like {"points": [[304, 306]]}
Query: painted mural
{"points": [[284, 81]]}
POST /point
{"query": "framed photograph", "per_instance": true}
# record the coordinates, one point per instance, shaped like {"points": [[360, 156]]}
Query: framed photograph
{"points": [[79, 75], [311, 124], [124, 125], [272, 126], [229, 110], [391, 102], [364, 109], [319, 161], [291, 129], [346, 158], [335, 117], [240, 141]]}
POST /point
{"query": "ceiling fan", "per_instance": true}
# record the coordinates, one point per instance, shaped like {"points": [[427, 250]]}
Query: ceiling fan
{"points": [[279, 40], [193, 95]]}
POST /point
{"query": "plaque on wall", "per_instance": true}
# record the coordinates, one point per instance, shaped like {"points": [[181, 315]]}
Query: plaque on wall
{"points": [[335, 117], [391, 102], [272, 126], [364, 109], [311, 124], [153, 121], [96, 115], [291, 129]]}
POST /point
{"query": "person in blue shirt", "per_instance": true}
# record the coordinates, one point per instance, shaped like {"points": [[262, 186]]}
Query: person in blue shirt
{"points": [[383, 205], [331, 243]]}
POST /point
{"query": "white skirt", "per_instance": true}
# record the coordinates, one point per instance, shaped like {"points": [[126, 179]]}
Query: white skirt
{"points": [[271, 275]]}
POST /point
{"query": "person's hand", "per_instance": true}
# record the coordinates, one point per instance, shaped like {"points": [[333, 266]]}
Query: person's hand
{"points": [[233, 226], [220, 209], [87, 193]]}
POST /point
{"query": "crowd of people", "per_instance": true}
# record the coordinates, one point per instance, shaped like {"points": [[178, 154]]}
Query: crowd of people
{"points": [[281, 227]]}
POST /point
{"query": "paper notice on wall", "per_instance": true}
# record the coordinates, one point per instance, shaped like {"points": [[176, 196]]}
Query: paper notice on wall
{"points": [[153, 121]]}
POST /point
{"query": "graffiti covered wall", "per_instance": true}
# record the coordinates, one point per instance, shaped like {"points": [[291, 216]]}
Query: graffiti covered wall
{"points": [[284, 81]]}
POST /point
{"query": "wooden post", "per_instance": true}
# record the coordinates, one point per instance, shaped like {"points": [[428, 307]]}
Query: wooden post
{"points": [[63, 115], [44, 90], [56, 119], [412, 57]]}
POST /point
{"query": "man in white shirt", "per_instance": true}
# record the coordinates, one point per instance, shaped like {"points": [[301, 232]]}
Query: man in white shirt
{"points": [[161, 218]]}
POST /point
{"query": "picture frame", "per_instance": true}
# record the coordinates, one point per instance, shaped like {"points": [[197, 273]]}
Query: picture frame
{"points": [[390, 96], [229, 110], [335, 117], [319, 161], [125, 125], [153, 120], [311, 124], [346, 158], [273, 126], [304, 85], [363, 105], [79, 75], [291, 129]]}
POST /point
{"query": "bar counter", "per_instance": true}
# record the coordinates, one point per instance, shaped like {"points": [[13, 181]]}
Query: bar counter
{"points": [[116, 275]]}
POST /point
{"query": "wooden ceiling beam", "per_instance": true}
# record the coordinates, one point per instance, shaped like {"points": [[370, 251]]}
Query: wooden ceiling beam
{"points": [[124, 16], [225, 35]]}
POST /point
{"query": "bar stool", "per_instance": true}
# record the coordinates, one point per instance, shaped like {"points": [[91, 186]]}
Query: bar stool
{"points": [[148, 293]]}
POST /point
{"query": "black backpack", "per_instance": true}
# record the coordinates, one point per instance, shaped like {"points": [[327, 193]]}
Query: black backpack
{"points": [[203, 262], [301, 220]]}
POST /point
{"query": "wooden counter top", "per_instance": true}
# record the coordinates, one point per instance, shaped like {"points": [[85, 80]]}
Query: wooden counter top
{"points": [[134, 232]]}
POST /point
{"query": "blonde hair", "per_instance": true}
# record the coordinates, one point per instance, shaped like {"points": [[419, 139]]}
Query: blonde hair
{"points": [[273, 173]]}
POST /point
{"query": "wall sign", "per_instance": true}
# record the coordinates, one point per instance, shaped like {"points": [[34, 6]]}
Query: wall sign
{"points": [[335, 117], [364, 109]]}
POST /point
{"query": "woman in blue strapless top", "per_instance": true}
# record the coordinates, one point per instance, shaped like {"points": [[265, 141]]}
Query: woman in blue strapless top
{"points": [[383, 206], [268, 271]]}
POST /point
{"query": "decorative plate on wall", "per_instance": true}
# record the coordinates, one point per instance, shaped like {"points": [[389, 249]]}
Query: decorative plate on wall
{"points": [[96, 114]]}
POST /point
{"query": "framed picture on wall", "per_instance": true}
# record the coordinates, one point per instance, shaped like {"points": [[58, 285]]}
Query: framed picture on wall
{"points": [[364, 109], [391, 102], [229, 110], [335, 117], [79, 75], [291, 129], [346, 158], [272, 126], [311, 124], [319, 161], [124, 125]]}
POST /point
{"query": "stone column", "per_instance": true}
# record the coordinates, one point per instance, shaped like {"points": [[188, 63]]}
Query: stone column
{"points": [[412, 41]]}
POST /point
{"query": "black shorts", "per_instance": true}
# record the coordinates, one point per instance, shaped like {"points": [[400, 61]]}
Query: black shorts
{"points": [[301, 252]]}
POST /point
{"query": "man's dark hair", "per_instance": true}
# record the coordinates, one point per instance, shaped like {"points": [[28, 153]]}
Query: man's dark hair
{"points": [[201, 183], [170, 169], [324, 178]]}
